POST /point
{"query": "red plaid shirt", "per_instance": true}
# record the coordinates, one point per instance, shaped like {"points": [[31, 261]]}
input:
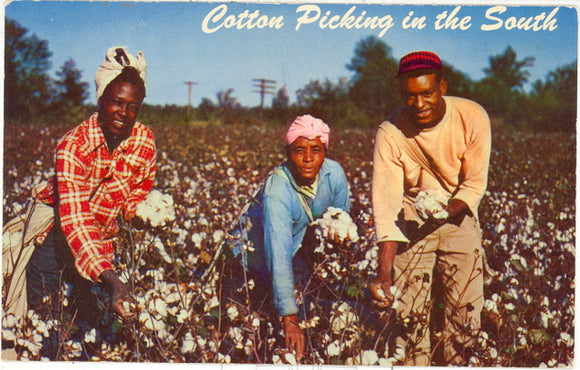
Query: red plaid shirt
{"points": [[94, 186]]}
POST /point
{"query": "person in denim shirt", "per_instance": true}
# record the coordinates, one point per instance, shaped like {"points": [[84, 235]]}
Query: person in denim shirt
{"points": [[297, 192]]}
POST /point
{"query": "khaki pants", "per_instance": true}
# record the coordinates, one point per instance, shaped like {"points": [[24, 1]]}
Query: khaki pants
{"points": [[456, 253]]}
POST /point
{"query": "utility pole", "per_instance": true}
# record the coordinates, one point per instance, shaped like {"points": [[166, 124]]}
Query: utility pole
{"points": [[264, 87], [189, 86]]}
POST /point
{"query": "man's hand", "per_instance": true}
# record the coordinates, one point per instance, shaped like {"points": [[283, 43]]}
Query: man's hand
{"points": [[121, 299], [294, 336], [380, 288], [455, 207], [457, 210]]}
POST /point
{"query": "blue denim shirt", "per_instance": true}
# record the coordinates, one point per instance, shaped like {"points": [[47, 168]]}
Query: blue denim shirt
{"points": [[279, 223]]}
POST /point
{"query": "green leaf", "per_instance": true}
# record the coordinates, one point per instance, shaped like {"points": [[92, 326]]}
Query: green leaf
{"points": [[539, 336], [116, 325], [354, 292]]}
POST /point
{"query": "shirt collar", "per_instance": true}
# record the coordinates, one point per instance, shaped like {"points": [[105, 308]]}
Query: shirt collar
{"points": [[311, 190], [95, 133]]}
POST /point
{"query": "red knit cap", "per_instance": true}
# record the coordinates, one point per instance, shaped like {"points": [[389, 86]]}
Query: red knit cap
{"points": [[419, 60]]}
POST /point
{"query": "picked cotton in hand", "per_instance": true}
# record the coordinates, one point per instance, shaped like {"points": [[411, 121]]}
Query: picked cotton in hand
{"points": [[157, 209], [432, 203], [335, 221]]}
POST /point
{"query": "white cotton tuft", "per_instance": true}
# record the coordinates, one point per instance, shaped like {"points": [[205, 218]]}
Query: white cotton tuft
{"points": [[432, 203], [335, 221], [157, 209]]}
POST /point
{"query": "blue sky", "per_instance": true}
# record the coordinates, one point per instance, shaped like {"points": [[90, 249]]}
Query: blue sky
{"points": [[177, 49]]}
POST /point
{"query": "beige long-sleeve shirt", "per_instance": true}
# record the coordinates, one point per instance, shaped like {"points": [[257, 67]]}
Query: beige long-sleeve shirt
{"points": [[459, 147]]}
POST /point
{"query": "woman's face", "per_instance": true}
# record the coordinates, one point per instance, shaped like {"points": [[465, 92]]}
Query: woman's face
{"points": [[118, 108], [305, 158]]}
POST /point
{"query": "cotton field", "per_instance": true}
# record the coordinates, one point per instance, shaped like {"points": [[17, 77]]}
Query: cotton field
{"points": [[187, 313]]}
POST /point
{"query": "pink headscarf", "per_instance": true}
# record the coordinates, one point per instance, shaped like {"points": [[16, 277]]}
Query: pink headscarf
{"points": [[308, 127]]}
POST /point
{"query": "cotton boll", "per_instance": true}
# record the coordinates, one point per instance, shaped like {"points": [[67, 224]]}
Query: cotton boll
{"points": [[158, 244], [335, 222], [381, 293], [188, 345], [157, 209], [232, 312], [396, 292], [90, 336], [197, 238], [218, 236], [333, 349], [290, 358], [236, 334], [362, 265], [182, 316], [344, 316], [149, 322], [369, 358], [8, 335], [431, 204], [9, 321], [353, 233], [213, 302], [158, 306], [224, 359]]}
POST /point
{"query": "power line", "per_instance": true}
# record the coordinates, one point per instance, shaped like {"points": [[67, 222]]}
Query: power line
{"points": [[189, 86], [264, 87]]}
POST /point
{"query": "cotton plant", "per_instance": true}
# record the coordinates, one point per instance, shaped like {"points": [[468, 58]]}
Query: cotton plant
{"points": [[26, 333], [530, 229]]}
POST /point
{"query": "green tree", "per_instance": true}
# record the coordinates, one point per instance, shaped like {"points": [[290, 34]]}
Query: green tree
{"points": [[27, 92], [71, 89], [553, 103], [281, 101], [506, 68], [227, 106], [500, 92], [70, 94], [280, 111], [320, 98], [458, 83], [374, 78], [206, 108], [330, 102]]}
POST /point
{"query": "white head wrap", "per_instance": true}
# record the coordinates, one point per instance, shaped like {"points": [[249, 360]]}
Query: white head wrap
{"points": [[116, 59]]}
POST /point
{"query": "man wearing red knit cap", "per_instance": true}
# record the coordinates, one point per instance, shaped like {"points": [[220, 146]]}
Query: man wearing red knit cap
{"points": [[431, 161]]}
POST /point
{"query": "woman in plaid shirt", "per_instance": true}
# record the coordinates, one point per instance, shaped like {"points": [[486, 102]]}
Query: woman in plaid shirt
{"points": [[104, 167]]}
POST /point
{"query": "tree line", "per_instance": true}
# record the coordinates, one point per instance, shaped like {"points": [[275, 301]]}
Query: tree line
{"points": [[363, 100]]}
